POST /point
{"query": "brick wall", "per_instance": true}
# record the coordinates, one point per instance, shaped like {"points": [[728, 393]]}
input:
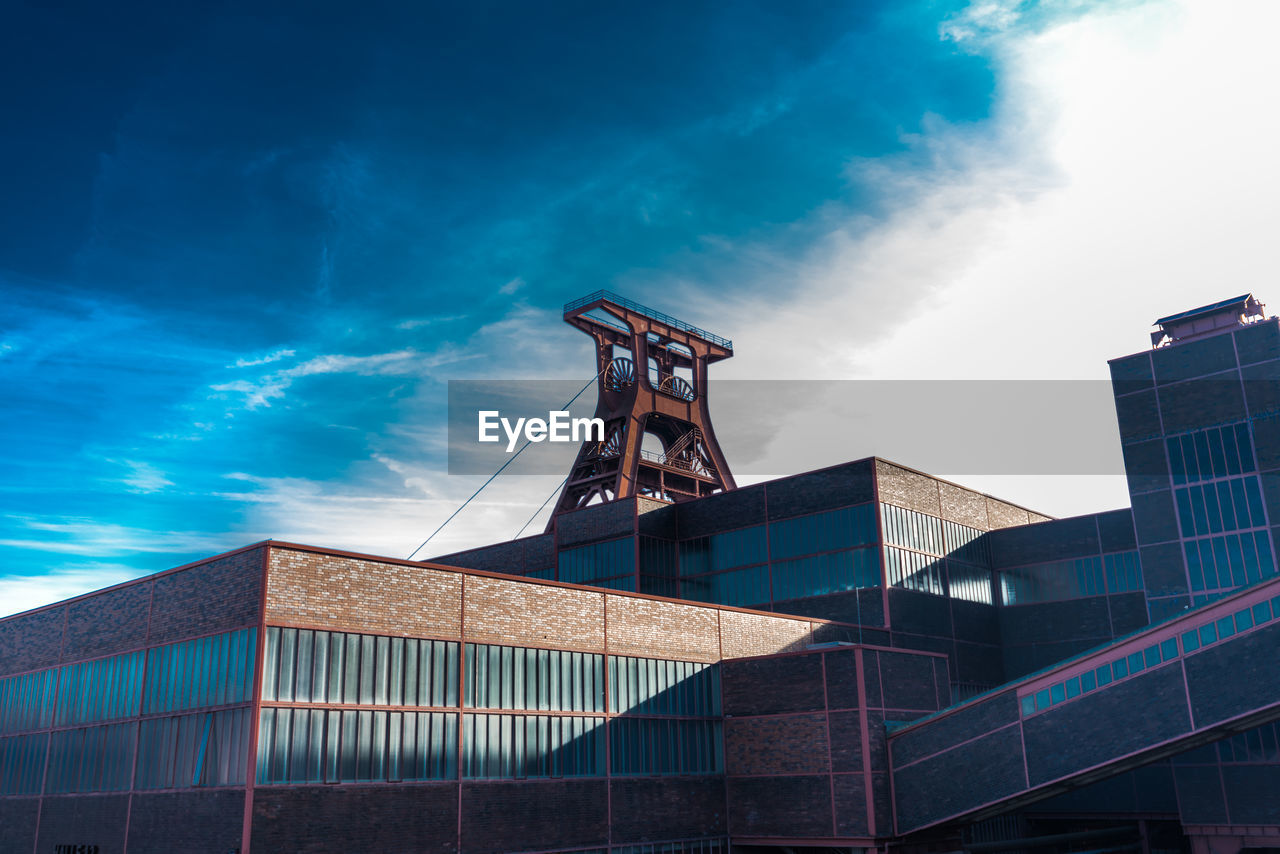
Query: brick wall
{"points": [[646, 809], [755, 634], [211, 597], [18, 825], [108, 622], [777, 744], [663, 629], [31, 641], [534, 815], [323, 590], [83, 820], [498, 611], [201, 599], [322, 819], [802, 748], [165, 822]]}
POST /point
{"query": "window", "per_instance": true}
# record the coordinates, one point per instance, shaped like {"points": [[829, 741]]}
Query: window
{"points": [[352, 745], [1210, 453], [822, 532], [205, 749], [504, 677], [520, 746], [212, 671], [338, 667], [599, 561]]}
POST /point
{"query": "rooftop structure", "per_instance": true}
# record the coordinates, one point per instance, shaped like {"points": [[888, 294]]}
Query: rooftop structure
{"points": [[1207, 320]]}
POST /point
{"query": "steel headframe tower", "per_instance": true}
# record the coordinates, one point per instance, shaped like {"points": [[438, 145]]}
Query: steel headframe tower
{"points": [[643, 358]]}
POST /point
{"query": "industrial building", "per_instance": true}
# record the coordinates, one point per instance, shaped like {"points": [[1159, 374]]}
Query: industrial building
{"points": [[859, 657]]}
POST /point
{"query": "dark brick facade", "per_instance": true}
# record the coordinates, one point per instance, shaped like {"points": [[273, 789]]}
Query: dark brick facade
{"points": [[320, 819], [166, 822], [84, 820], [805, 739]]}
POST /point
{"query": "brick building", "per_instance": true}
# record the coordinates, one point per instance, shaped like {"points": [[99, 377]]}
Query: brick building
{"points": [[858, 657]]}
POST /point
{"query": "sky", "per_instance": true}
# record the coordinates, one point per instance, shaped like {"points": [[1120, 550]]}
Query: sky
{"points": [[245, 247]]}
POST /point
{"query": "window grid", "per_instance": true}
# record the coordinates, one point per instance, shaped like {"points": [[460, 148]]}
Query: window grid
{"points": [[187, 751], [650, 686], [505, 677], [965, 544], [911, 570], [1214, 452], [914, 545], [26, 701], [102, 690], [306, 666], [1224, 505], [1259, 745], [917, 531], [843, 528], [356, 746], [1123, 572], [1228, 562], [22, 761], [970, 583], [659, 557], [210, 671], [727, 550], [1053, 582], [685, 846], [523, 746], [655, 585], [749, 586], [819, 575], [594, 563], [91, 759], [1130, 664], [665, 746]]}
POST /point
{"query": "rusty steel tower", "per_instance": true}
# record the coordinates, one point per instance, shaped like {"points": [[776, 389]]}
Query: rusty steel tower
{"points": [[652, 381]]}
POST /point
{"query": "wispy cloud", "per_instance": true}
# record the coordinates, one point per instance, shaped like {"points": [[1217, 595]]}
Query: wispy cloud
{"points": [[23, 592], [380, 522], [90, 537], [419, 322], [274, 356], [272, 386], [142, 476]]}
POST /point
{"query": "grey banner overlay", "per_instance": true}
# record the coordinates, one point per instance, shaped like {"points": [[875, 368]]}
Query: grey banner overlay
{"points": [[777, 427]]}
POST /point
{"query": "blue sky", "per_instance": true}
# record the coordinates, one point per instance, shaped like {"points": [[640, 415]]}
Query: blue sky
{"points": [[244, 247]]}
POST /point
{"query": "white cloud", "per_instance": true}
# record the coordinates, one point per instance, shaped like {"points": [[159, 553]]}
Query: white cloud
{"points": [[22, 593], [273, 385], [267, 359], [512, 286], [437, 320], [337, 516], [1128, 173], [76, 535], [142, 477]]}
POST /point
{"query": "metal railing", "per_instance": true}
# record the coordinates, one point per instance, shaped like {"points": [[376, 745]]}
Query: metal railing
{"points": [[652, 314], [692, 466]]}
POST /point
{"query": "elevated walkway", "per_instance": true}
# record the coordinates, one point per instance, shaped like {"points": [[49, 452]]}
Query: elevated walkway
{"points": [[1179, 684]]}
